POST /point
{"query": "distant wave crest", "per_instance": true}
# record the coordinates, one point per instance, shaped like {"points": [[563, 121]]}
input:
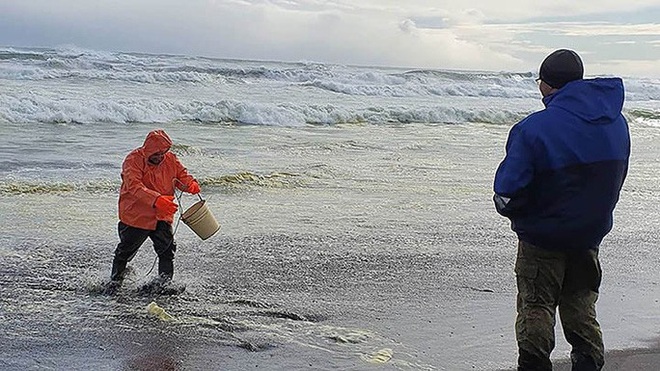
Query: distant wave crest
{"points": [[45, 110], [74, 85], [94, 111], [643, 117], [81, 64]]}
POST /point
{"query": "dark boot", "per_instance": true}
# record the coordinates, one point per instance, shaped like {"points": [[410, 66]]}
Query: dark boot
{"points": [[118, 268], [582, 362], [528, 361], [111, 288], [165, 268]]}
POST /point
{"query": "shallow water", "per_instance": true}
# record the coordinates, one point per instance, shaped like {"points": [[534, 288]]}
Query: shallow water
{"points": [[337, 242]]}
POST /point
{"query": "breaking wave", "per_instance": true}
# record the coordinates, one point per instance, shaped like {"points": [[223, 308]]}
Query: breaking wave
{"points": [[70, 111], [90, 111], [73, 85]]}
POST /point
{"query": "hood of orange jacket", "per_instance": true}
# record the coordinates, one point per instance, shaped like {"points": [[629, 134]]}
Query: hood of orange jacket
{"points": [[156, 141], [143, 182]]}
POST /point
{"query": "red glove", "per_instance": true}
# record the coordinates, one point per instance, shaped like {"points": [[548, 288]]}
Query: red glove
{"points": [[166, 205], [193, 188]]}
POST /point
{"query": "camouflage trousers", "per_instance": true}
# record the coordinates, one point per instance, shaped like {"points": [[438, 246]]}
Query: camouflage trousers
{"points": [[551, 279]]}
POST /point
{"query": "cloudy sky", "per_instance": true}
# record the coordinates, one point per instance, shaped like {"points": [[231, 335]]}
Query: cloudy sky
{"points": [[613, 36]]}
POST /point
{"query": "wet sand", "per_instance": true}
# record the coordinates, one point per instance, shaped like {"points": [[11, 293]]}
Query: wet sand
{"points": [[374, 244], [626, 360], [623, 360]]}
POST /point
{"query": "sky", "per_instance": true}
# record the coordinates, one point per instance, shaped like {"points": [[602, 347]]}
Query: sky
{"points": [[613, 37]]}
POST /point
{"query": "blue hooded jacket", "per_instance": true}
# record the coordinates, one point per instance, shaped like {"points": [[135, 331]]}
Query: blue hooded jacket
{"points": [[565, 166]]}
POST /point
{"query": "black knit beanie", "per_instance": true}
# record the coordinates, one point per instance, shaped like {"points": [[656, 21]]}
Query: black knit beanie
{"points": [[561, 67]]}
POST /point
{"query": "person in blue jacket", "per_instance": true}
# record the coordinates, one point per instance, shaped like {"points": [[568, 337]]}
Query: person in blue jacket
{"points": [[558, 184]]}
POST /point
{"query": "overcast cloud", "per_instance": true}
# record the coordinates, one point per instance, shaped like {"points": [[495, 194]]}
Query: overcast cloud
{"points": [[613, 37]]}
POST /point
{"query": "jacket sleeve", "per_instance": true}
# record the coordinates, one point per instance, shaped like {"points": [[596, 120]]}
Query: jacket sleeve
{"points": [[131, 175], [182, 175], [514, 175]]}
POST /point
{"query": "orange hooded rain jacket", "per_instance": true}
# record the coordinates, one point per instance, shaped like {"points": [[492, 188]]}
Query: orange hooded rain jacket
{"points": [[143, 182]]}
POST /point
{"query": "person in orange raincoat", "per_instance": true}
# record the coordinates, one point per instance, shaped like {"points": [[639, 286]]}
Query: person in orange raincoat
{"points": [[146, 203]]}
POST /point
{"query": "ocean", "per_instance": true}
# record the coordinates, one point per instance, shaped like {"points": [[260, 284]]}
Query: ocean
{"points": [[357, 226]]}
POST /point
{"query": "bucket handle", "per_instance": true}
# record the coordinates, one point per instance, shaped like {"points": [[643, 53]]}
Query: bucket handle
{"points": [[180, 194], [176, 227]]}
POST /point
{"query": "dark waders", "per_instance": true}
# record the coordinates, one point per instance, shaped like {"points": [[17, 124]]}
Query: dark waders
{"points": [[130, 240]]}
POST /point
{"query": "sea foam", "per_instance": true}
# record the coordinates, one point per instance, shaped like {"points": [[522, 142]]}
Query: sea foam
{"points": [[73, 85]]}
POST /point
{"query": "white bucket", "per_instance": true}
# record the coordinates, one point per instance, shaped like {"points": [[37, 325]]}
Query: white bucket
{"points": [[200, 219]]}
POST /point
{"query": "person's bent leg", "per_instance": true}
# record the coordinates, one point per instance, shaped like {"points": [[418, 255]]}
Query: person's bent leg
{"points": [[539, 274], [130, 240], [577, 310], [164, 245]]}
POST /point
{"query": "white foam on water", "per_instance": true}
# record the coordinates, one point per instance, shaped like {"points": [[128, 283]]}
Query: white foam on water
{"points": [[74, 85]]}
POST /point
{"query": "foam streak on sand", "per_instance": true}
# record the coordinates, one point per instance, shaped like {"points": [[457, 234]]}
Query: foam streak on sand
{"points": [[158, 312]]}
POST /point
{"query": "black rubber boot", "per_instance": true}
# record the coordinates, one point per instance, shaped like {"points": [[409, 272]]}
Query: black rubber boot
{"points": [[165, 268], [118, 268], [583, 362], [111, 287]]}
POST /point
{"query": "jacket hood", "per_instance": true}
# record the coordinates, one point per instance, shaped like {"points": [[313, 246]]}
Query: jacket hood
{"points": [[597, 101], [156, 141]]}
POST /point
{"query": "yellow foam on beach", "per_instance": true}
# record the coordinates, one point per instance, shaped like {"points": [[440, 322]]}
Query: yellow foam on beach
{"points": [[159, 312], [382, 356]]}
